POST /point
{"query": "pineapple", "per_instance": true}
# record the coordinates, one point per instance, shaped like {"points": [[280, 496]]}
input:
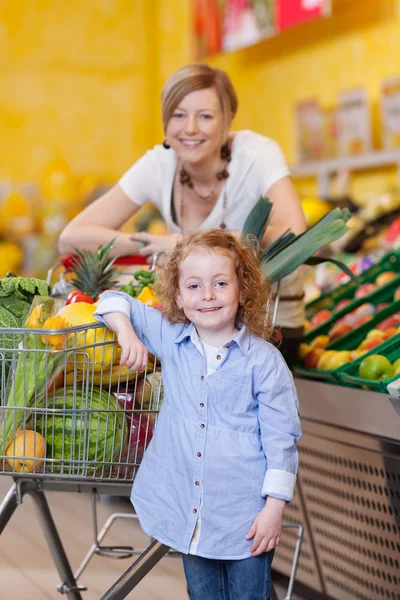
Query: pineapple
{"points": [[94, 272]]}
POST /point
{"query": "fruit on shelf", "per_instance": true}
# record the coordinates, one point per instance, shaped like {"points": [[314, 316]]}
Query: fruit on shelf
{"points": [[396, 367], [339, 359], [375, 367], [338, 330], [342, 304], [320, 317], [321, 341], [312, 358], [29, 449], [365, 289], [323, 362], [304, 349], [385, 277], [397, 294], [389, 322], [381, 306], [357, 353], [370, 343]]}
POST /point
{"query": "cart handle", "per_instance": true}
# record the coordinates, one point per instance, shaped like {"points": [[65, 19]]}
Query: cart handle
{"points": [[68, 261]]}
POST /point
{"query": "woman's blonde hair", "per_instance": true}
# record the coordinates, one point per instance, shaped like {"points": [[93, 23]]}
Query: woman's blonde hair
{"points": [[254, 289], [199, 76]]}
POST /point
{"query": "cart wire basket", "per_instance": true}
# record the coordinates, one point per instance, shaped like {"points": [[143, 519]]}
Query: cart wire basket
{"points": [[73, 419]]}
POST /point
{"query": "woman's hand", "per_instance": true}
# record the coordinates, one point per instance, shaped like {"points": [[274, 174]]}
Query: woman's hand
{"points": [[267, 527], [154, 243], [134, 354]]}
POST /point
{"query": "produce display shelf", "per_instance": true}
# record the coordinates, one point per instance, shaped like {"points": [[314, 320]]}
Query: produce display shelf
{"points": [[351, 341], [390, 262]]}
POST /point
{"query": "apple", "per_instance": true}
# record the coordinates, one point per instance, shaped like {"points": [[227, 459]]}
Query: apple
{"points": [[304, 349], [370, 343], [339, 359], [357, 353], [391, 321], [375, 367], [365, 289], [323, 362], [320, 317], [312, 358], [390, 332], [381, 306], [396, 367], [361, 320], [342, 304], [397, 294], [320, 341], [385, 277], [375, 333], [339, 330]]}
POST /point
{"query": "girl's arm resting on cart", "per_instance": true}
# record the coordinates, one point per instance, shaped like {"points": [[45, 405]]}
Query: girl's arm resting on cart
{"points": [[148, 324], [133, 353]]}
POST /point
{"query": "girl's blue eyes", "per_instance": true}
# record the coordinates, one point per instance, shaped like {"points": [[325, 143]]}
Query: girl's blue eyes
{"points": [[195, 286]]}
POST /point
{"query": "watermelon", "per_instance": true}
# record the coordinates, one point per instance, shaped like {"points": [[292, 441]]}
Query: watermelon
{"points": [[82, 433]]}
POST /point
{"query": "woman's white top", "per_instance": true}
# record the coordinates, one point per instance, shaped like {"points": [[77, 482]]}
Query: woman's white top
{"points": [[257, 163]]}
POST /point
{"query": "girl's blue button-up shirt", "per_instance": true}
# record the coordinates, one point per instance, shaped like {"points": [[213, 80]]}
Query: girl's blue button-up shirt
{"points": [[228, 439]]}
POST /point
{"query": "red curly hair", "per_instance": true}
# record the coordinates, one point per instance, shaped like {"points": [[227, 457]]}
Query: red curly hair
{"points": [[254, 289]]}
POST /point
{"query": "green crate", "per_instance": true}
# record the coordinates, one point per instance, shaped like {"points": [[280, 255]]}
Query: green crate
{"points": [[389, 262], [349, 342], [383, 294], [349, 373]]}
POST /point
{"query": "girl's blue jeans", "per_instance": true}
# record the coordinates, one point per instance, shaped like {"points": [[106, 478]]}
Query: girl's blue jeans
{"points": [[247, 579]]}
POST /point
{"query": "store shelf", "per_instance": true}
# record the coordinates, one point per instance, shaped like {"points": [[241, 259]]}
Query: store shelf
{"points": [[324, 169], [359, 410]]}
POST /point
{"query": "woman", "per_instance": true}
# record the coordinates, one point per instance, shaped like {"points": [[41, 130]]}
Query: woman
{"points": [[203, 176]]}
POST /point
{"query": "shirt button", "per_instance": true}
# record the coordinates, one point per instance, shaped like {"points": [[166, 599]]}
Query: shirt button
{"points": [[227, 345], [201, 405], [199, 454], [202, 426], [197, 482], [202, 377], [195, 510]]}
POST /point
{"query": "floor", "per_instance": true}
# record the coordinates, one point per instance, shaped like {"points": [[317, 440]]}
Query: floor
{"points": [[27, 569]]}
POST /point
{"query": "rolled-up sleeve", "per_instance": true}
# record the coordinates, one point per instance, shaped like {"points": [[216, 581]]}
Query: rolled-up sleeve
{"points": [[280, 427], [151, 327]]}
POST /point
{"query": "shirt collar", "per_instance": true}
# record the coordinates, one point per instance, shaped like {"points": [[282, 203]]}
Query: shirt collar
{"points": [[242, 338]]}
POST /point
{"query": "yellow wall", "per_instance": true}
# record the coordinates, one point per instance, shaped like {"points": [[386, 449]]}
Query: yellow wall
{"points": [[75, 81], [82, 80]]}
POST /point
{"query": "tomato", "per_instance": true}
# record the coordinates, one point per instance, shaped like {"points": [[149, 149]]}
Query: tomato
{"points": [[78, 296]]}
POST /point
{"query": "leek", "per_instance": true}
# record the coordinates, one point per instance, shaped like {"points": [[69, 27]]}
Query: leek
{"points": [[257, 219], [290, 251]]}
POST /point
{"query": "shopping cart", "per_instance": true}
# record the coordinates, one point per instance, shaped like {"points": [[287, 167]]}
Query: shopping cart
{"points": [[66, 387]]}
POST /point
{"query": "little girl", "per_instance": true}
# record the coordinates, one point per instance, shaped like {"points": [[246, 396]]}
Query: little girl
{"points": [[222, 464]]}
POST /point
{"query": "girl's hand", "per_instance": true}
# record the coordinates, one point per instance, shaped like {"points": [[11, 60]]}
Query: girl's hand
{"points": [[133, 353], [154, 243], [267, 527]]}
